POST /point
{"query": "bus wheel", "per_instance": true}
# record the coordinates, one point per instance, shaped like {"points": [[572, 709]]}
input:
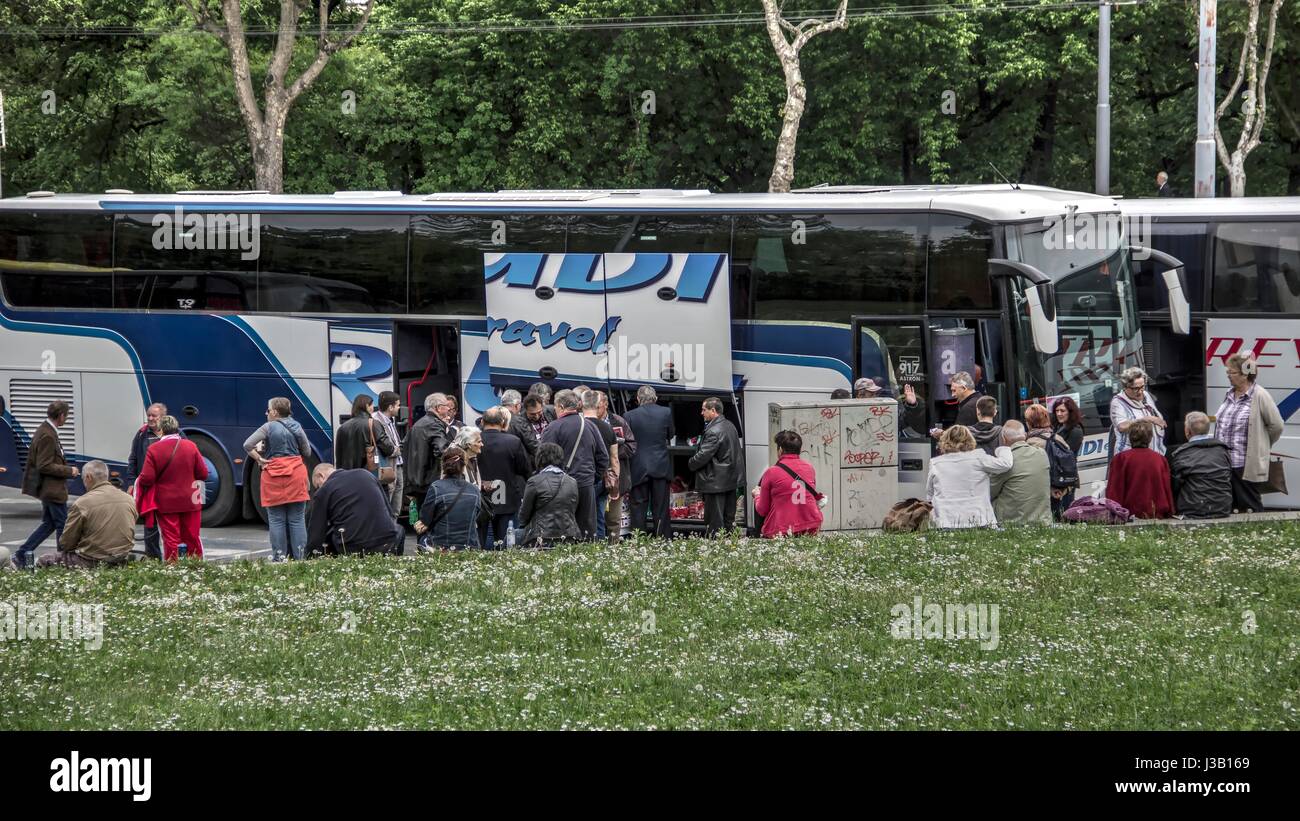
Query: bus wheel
{"points": [[222, 506], [255, 490]]}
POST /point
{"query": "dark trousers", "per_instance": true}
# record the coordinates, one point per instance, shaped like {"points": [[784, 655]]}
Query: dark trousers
{"points": [[719, 511], [586, 514], [652, 493], [53, 517], [1245, 496], [1062, 504], [153, 541]]}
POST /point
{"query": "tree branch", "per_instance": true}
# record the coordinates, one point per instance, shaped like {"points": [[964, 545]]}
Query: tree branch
{"points": [[203, 17]]}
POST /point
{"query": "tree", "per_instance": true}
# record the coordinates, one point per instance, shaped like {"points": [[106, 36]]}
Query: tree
{"points": [[265, 123], [796, 93], [1254, 103]]}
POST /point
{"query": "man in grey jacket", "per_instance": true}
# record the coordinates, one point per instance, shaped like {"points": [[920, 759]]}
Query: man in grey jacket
{"points": [[719, 467]]}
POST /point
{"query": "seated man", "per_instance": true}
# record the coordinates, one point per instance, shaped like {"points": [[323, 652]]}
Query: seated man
{"points": [[350, 513], [100, 527], [1022, 495], [1201, 471]]}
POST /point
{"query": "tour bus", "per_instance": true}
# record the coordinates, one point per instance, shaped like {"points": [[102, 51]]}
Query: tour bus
{"points": [[1242, 264], [213, 302]]}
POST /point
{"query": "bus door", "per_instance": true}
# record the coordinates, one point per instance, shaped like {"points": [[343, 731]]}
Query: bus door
{"points": [[894, 352], [427, 359], [625, 320]]}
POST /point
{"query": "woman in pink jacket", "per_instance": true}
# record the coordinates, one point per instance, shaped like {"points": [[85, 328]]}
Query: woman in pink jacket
{"points": [[787, 496]]}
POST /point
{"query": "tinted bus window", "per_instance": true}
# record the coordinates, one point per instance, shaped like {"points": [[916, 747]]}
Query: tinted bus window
{"points": [[56, 260], [1257, 267], [447, 256], [199, 262], [333, 263], [959, 252], [1186, 242], [830, 267]]}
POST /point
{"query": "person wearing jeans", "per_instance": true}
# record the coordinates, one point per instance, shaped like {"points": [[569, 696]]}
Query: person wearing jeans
{"points": [[284, 477], [46, 477]]}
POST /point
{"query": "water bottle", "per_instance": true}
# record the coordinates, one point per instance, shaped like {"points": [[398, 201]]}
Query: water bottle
{"points": [[181, 550], [510, 534]]}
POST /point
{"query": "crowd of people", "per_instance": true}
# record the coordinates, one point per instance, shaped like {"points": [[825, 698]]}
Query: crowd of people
{"points": [[1025, 473], [545, 469]]}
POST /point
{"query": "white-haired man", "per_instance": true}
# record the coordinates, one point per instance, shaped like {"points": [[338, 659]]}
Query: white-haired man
{"points": [[518, 425], [100, 527], [425, 444]]}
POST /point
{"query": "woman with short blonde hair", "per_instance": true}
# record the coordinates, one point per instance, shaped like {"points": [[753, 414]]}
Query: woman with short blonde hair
{"points": [[958, 484], [1249, 423]]}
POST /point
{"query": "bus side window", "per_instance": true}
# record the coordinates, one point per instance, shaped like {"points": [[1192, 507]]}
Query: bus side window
{"points": [[1257, 267]]}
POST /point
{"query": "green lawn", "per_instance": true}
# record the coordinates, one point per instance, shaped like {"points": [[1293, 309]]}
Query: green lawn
{"points": [[1099, 628]]}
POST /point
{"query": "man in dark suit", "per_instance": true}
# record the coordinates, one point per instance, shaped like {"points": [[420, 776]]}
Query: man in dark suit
{"points": [[46, 477], [428, 438], [652, 469], [1162, 186], [503, 460], [719, 467]]}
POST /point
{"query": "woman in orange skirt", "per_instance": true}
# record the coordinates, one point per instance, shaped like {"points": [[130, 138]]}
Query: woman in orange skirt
{"points": [[280, 447]]}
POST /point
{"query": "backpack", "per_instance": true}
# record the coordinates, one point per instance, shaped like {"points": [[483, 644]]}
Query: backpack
{"points": [[1062, 465], [908, 516], [1097, 511]]}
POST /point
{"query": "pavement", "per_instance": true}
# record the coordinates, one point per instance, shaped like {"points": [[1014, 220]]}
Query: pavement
{"points": [[19, 516]]}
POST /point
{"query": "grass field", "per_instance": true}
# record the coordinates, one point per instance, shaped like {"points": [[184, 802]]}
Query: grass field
{"points": [[1098, 629]]}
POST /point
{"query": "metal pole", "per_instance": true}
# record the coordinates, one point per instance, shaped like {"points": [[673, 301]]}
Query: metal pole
{"points": [[1103, 99], [1205, 157]]}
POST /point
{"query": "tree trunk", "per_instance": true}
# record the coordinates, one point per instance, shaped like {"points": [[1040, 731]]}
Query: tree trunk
{"points": [[796, 98]]}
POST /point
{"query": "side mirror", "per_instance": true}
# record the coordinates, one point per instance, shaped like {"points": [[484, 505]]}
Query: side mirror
{"points": [[1174, 275], [1040, 299]]}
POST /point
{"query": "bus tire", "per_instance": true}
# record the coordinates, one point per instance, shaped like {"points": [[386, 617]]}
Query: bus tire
{"points": [[224, 509], [255, 490]]}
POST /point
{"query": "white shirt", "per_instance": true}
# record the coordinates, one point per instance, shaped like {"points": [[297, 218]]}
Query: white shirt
{"points": [[958, 487], [1123, 410]]}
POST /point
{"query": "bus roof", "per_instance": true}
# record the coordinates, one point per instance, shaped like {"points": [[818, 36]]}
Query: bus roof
{"points": [[1192, 208], [993, 203]]}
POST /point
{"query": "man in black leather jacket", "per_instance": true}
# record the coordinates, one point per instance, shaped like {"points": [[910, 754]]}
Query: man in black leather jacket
{"points": [[719, 467]]}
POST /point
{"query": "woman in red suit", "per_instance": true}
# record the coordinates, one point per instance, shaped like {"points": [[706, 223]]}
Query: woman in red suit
{"points": [[173, 476], [1139, 477]]}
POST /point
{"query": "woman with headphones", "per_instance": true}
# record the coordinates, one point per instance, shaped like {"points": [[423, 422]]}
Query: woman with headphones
{"points": [[1247, 422]]}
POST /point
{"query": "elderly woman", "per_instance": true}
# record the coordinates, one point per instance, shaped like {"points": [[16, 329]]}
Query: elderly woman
{"points": [[1139, 477], [1249, 423], [1134, 404], [470, 440], [548, 510], [172, 483], [958, 486]]}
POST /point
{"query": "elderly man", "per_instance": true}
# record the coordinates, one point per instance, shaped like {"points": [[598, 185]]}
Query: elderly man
{"points": [[504, 461], [586, 458], [100, 527], [144, 438], [652, 425], [1022, 495], [1201, 471], [866, 388], [46, 477], [425, 444], [518, 425], [1162, 185], [349, 513]]}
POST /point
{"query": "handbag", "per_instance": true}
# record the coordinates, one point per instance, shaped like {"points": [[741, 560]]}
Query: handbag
{"points": [[908, 516], [1276, 481], [386, 473]]}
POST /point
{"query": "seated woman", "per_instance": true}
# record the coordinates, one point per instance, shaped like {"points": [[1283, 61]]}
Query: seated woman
{"points": [[547, 511], [449, 516], [786, 496], [1139, 477], [958, 486]]}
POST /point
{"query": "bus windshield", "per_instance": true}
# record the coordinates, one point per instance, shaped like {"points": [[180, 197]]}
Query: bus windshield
{"points": [[1096, 310]]}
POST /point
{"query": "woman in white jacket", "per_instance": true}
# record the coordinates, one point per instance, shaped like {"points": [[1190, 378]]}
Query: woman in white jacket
{"points": [[958, 486]]}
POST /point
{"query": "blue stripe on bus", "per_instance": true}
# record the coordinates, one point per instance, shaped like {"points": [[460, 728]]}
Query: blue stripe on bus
{"points": [[283, 373], [800, 360], [1289, 405], [94, 333]]}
